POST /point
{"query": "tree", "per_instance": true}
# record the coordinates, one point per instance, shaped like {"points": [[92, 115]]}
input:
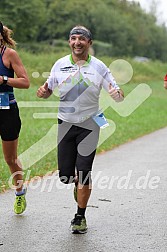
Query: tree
{"points": [[24, 17]]}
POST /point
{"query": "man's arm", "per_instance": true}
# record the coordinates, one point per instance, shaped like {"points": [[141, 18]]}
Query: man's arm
{"points": [[116, 94], [44, 91]]}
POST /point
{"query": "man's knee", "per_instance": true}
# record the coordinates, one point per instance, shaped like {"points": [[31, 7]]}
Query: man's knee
{"points": [[66, 178], [84, 177]]}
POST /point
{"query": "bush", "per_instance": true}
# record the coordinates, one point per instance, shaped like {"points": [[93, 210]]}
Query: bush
{"points": [[102, 48], [45, 47]]}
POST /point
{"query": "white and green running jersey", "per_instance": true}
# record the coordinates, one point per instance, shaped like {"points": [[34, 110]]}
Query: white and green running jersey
{"points": [[79, 87]]}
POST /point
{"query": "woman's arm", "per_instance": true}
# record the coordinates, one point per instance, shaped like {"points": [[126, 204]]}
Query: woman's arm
{"points": [[14, 62]]}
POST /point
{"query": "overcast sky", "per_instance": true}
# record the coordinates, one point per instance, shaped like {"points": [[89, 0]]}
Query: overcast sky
{"points": [[161, 5]]}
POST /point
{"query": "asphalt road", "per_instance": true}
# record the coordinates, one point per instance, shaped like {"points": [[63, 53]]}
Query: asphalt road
{"points": [[127, 210]]}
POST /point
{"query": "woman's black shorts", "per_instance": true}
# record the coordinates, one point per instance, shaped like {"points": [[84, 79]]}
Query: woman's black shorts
{"points": [[10, 123]]}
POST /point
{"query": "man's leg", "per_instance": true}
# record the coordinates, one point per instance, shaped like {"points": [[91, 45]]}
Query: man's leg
{"points": [[83, 194], [67, 152], [83, 190], [87, 142]]}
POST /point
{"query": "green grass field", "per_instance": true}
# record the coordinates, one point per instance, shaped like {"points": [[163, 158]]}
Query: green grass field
{"points": [[148, 117]]}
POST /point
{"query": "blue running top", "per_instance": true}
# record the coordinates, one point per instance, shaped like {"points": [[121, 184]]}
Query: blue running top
{"points": [[8, 72]]}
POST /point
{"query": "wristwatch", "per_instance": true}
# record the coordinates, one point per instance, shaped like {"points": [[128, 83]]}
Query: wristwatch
{"points": [[5, 79]]}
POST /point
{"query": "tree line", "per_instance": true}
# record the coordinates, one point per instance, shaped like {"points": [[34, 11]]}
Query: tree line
{"points": [[119, 27]]}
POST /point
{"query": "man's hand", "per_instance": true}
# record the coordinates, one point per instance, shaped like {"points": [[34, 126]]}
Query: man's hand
{"points": [[117, 95], [43, 91]]}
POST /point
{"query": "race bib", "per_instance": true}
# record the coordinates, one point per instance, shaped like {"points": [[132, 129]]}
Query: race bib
{"points": [[100, 120], [4, 101]]}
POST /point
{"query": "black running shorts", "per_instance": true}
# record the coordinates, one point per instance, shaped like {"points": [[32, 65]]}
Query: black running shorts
{"points": [[10, 123], [76, 149]]}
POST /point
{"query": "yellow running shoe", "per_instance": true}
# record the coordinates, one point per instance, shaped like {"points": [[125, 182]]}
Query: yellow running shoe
{"points": [[20, 203]]}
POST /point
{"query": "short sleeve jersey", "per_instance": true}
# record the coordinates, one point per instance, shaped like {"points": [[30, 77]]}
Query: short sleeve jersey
{"points": [[79, 87]]}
